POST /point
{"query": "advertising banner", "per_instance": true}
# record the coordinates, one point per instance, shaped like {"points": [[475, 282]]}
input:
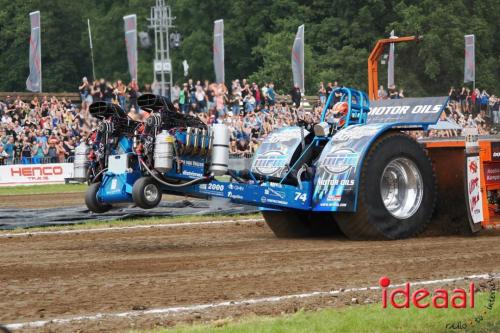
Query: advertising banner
{"points": [[31, 174], [130, 22], [219, 51], [34, 81], [298, 59], [407, 110], [474, 188], [470, 59], [492, 173]]}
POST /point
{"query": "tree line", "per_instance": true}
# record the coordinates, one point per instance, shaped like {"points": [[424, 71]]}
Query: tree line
{"points": [[339, 36]]}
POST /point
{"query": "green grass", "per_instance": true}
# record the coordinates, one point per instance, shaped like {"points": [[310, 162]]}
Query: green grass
{"points": [[357, 319], [137, 221], [42, 189]]}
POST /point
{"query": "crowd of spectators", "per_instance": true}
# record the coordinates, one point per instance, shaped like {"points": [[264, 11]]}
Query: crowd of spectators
{"points": [[40, 131], [471, 108], [47, 130]]}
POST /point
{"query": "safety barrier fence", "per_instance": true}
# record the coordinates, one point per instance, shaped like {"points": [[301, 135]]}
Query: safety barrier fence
{"points": [[35, 160]]}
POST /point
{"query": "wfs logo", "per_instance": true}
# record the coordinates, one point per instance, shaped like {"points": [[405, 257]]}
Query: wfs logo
{"points": [[270, 163], [340, 161]]}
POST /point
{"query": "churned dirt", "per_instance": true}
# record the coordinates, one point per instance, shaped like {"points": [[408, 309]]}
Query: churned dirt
{"points": [[65, 275], [42, 200]]}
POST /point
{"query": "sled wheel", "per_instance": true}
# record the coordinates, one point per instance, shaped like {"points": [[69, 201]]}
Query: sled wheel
{"points": [[396, 194], [288, 224], [92, 202], [146, 193]]}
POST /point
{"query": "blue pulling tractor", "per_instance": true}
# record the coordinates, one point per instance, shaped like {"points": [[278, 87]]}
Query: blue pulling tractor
{"points": [[356, 170]]}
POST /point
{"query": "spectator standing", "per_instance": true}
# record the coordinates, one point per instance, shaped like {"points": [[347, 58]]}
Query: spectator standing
{"points": [[121, 91], [200, 99], [95, 91], [263, 94], [9, 148], [382, 94], [51, 151], [176, 90], [183, 98], [322, 93], [133, 93], [85, 90], [256, 93], [393, 92], [496, 110], [4, 156], [296, 95], [484, 101], [463, 100], [329, 89], [235, 103], [271, 94]]}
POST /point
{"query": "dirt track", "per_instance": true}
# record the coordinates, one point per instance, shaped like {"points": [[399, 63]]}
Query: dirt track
{"points": [[42, 200], [57, 276]]}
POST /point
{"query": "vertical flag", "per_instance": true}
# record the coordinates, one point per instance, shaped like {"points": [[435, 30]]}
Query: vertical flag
{"points": [[390, 64], [298, 59], [130, 23], [34, 81], [186, 67], [91, 50], [470, 59], [219, 51]]}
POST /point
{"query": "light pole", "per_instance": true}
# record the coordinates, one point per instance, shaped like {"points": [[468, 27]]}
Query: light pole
{"points": [[161, 21]]}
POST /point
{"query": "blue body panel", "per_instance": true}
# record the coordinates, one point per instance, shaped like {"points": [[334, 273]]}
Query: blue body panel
{"points": [[117, 188], [271, 195], [337, 170]]}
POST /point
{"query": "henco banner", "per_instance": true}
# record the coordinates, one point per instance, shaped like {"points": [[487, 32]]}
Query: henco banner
{"points": [[407, 110], [30, 174]]}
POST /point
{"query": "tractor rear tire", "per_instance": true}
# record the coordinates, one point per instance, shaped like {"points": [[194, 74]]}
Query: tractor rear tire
{"points": [[324, 224], [288, 224], [146, 193], [301, 224], [396, 193], [93, 204]]}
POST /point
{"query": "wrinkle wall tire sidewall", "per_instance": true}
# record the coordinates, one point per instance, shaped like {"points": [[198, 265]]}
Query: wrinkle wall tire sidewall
{"points": [[390, 226]]}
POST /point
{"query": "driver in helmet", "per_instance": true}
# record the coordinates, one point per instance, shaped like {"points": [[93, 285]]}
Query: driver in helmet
{"points": [[337, 116]]}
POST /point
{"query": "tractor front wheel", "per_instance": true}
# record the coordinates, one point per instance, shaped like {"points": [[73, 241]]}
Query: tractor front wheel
{"points": [[146, 193], [92, 202]]}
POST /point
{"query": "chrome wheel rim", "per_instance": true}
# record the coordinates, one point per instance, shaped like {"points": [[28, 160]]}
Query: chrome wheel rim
{"points": [[401, 188], [151, 192]]}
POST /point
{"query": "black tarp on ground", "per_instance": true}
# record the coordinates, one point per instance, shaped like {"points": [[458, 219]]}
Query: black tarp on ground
{"points": [[28, 218]]}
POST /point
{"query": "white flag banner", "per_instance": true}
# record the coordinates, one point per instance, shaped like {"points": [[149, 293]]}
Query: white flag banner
{"points": [[470, 59], [186, 67], [219, 51], [34, 81], [298, 59], [390, 64], [130, 23]]}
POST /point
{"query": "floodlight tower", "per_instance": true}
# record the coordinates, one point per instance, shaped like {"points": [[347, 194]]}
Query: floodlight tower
{"points": [[161, 21]]}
